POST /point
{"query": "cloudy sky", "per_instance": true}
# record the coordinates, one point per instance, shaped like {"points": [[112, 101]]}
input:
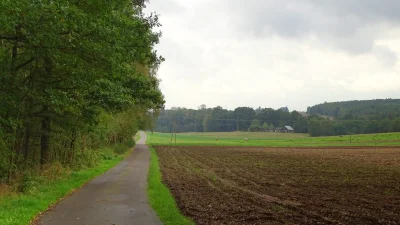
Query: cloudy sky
{"points": [[274, 53]]}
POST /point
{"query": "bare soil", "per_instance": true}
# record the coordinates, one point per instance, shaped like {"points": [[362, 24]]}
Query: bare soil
{"points": [[253, 185]]}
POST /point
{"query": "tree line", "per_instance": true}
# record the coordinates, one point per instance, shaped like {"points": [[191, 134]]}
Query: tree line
{"points": [[74, 75], [218, 119], [356, 117], [377, 109]]}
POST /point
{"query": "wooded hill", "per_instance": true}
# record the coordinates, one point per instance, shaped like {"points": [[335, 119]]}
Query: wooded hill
{"points": [[367, 109], [356, 117]]}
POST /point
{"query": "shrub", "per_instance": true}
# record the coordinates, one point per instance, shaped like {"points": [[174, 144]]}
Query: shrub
{"points": [[86, 159], [120, 149], [130, 143], [28, 183]]}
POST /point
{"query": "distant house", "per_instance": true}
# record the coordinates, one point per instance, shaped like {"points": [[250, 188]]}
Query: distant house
{"points": [[285, 129], [288, 129]]}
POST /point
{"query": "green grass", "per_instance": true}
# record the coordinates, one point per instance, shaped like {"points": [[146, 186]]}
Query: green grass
{"points": [[21, 209], [272, 139], [160, 197]]}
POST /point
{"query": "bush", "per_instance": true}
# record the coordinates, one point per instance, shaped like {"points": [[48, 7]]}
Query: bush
{"points": [[130, 143], [86, 159], [4, 161], [53, 171], [107, 154], [28, 183], [120, 149]]}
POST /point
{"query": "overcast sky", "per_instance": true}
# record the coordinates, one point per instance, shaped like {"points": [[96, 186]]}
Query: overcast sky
{"points": [[274, 53]]}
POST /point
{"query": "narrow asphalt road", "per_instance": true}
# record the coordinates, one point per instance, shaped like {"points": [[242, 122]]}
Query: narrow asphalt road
{"points": [[118, 197]]}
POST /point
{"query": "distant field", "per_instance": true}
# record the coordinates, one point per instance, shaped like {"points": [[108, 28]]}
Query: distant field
{"points": [[272, 139]]}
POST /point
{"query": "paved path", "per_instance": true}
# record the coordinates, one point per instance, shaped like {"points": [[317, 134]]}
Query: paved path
{"points": [[118, 197]]}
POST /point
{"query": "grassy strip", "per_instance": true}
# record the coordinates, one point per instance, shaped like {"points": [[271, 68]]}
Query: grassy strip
{"points": [[272, 139], [160, 197], [22, 209]]}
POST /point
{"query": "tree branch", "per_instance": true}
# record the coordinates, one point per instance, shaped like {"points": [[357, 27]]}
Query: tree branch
{"points": [[7, 37], [24, 64]]}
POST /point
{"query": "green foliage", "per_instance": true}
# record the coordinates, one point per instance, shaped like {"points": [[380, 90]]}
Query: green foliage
{"points": [[86, 159], [243, 116], [107, 153], [314, 128], [28, 183], [265, 127], [371, 116], [130, 143], [255, 126], [353, 117], [68, 84], [120, 148], [218, 119], [366, 109], [395, 126]]}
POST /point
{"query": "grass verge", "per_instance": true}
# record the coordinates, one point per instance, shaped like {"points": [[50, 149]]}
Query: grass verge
{"points": [[160, 197], [21, 209]]}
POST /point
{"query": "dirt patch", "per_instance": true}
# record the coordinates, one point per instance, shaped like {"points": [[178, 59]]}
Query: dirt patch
{"points": [[246, 185]]}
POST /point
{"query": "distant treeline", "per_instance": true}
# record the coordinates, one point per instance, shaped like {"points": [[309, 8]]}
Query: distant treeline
{"points": [[375, 116], [222, 120], [378, 109], [356, 117]]}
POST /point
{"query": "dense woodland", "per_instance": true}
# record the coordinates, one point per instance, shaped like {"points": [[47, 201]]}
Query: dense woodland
{"points": [[338, 118], [357, 117], [75, 76], [378, 109], [222, 120]]}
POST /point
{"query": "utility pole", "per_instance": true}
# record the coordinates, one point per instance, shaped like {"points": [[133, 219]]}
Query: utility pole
{"points": [[175, 134], [195, 125], [172, 133], [237, 124]]}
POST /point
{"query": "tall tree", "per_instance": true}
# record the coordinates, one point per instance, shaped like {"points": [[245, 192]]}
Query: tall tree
{"points": [[64, 65]]}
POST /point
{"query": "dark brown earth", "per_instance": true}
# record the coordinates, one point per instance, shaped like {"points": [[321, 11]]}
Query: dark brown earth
{"points": [[250, 185], [118, 197]]}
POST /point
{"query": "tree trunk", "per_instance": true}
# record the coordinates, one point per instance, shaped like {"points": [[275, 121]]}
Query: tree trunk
{"points": [[45, 128], [45, 138], [26, 141], [83, 142]]}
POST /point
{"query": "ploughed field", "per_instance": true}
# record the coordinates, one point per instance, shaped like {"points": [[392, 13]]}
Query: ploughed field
{"points": [[254, 185]]}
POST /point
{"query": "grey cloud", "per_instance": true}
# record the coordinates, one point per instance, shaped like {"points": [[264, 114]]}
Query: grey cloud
{"points": [[210, 47], [366, 9], [345, 24], [385, 55]]}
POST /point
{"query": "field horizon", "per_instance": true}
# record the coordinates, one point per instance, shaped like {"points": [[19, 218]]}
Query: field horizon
{"points": [[271, 139]]}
